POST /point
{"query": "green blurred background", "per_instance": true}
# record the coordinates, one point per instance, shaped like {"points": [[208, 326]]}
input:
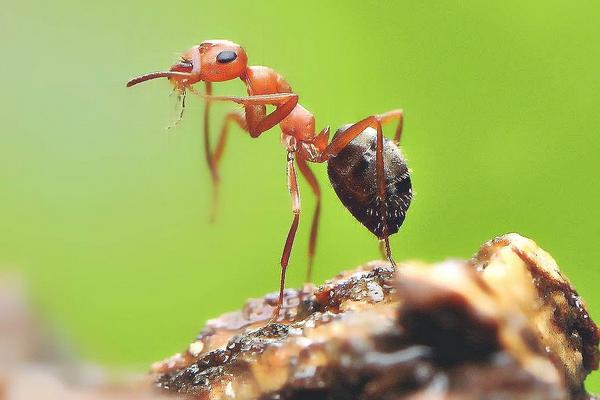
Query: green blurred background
{"points": [[106, 212]]}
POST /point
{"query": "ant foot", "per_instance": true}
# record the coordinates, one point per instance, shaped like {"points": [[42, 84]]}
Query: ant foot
{"points": [[275, 316]]}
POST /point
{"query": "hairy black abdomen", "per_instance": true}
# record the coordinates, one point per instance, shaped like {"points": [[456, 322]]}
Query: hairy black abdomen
{"points": [[353, 176]]}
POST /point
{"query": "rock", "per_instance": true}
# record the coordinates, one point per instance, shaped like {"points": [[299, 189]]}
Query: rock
{"points": [[504, 325]]}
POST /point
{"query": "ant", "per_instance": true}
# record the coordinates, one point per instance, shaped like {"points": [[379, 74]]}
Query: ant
{"points": [[368, 173]]}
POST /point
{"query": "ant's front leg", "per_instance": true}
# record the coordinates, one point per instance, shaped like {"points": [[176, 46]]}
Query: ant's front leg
{"points": [[257, 119], [236, 118], [217, 154], [208, 154], [213, 158]]}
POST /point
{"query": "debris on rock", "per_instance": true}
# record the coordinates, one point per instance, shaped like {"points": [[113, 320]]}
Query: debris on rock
{"points": [[505, 324]]}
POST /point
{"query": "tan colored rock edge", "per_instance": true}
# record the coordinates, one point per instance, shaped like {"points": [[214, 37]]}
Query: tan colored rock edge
{"points": [[505, 324]]}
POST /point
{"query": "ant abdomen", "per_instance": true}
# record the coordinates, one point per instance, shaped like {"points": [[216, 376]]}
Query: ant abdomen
{"points": [[354, 178]]}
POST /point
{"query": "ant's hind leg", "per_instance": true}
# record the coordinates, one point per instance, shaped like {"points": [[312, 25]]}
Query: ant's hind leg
{"points": [[380, 173], [289, 241], [314, 185], [340, 141], [382, 249], [390, 116]]}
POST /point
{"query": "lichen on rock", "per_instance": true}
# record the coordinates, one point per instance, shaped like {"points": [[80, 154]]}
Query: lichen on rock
{"points": [[505, 324]]}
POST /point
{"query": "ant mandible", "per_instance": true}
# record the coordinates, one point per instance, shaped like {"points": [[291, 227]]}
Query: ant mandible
{"points": [[368, 173]]}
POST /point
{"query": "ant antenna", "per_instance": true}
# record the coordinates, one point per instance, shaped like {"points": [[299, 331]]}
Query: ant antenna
{"points": [[154, 75]]}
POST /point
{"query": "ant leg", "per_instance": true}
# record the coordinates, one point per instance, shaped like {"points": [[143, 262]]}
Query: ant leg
{"points": [[256, 118], [343, 139], [379, 167], [393, 115], [206, 132], [212, 158], [289, 241], [382, 249], [218, 153], [219, 149], [208, 153], [314, 227]]}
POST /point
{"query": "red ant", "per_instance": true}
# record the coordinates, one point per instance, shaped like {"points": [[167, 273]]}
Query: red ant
{"points": [[368, 172]]}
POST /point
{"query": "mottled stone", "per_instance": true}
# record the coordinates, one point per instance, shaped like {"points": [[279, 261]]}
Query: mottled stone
{"points": [[505, 324]]}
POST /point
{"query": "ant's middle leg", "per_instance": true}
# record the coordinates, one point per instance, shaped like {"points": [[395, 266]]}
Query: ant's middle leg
{"points": [[289, 241], [314, 185]]}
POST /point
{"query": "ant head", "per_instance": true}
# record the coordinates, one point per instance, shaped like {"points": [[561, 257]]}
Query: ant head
{"points": [[210, 61], [217, 60]]}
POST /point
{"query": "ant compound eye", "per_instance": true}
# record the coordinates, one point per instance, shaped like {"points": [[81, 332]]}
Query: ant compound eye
{"points": [[225, 57]]}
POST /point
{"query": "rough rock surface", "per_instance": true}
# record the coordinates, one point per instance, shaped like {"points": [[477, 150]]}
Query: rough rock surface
{"points": [[504, 325]]}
